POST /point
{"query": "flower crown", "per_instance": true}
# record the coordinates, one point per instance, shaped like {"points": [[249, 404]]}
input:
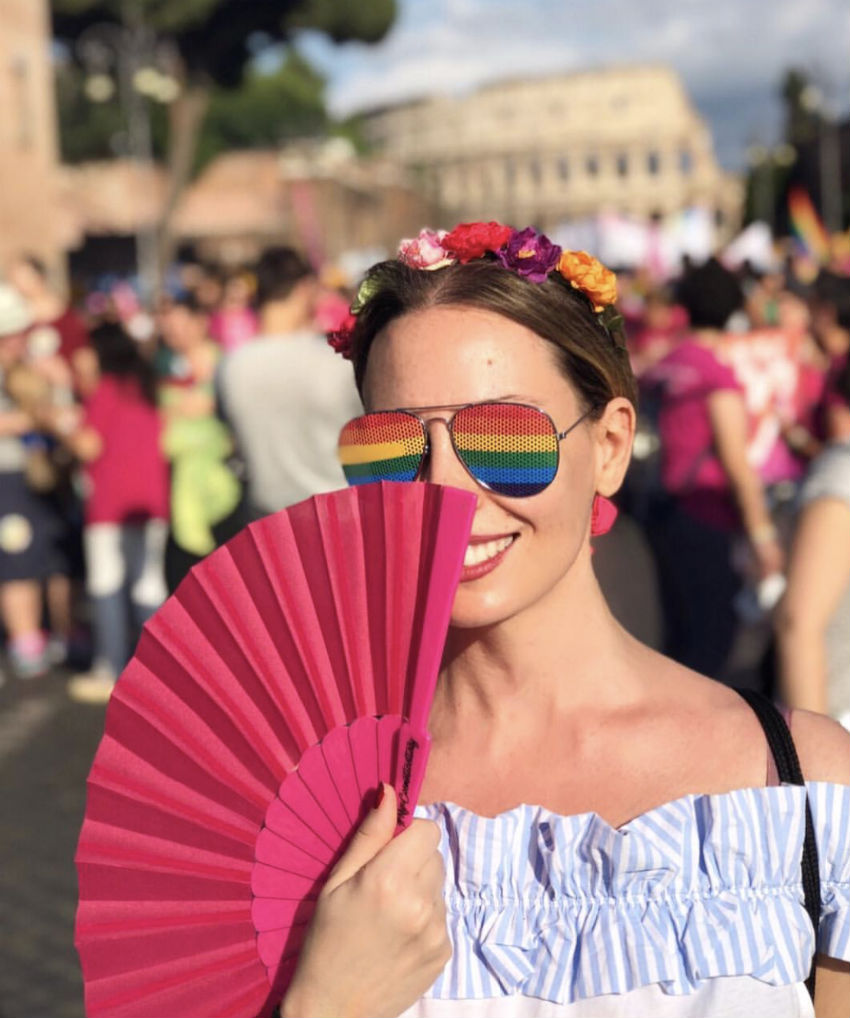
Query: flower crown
{"points": [[526, 252]]}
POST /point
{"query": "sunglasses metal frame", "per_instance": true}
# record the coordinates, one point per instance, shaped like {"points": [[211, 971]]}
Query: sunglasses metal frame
{"points": [[415, 412]]}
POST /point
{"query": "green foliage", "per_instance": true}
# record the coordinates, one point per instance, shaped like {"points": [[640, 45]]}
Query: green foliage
{"points": [[267, 110], [95, 130], [214, 37]]}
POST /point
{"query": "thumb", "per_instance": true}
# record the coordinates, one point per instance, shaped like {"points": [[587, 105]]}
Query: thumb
{"points": [[371, 836]]}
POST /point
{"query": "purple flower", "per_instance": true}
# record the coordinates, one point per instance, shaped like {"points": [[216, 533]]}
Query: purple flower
{"points": [[530, 254]]}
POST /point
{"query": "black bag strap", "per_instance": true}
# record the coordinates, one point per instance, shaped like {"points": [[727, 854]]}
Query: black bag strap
{"points": [[781, 745]]}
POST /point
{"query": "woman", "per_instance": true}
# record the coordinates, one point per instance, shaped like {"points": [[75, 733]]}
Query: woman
{"points": [[118, 438], [609, 846], [715, 499], [813, 620]]}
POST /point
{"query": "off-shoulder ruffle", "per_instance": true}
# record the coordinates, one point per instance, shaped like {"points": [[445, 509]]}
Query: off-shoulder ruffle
{"points": [[566, 908]]}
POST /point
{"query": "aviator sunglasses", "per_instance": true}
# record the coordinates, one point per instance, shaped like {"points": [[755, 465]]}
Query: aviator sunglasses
{"points": [[508, 448]]}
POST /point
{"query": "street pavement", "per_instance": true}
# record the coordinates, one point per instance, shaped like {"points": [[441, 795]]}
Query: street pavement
{"points": [[46, 748]]}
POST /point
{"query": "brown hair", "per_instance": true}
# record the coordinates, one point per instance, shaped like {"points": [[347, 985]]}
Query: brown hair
{"points": [[592, 358]]}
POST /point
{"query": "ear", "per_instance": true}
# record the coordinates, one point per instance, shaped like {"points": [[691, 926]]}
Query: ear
{"points": [[615, 432]]}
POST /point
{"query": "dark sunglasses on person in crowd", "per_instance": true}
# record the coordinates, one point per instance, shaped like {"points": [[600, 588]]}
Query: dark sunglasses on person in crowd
{"points": [[508, 448]]}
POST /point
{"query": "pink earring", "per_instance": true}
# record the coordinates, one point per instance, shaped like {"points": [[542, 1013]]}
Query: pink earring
{"points": [[602, 516]]}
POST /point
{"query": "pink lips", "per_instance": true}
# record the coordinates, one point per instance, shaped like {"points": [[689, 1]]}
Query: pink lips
{"points": [[475, 572]]}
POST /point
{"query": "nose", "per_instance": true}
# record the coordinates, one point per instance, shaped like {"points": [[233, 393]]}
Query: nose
{"points": [[442, 465]]}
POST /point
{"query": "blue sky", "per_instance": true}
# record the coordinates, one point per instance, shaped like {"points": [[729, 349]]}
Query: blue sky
{"points": [[730, 53]]}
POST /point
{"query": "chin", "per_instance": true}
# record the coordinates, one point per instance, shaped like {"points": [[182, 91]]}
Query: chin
{"points": [[502, 595]]}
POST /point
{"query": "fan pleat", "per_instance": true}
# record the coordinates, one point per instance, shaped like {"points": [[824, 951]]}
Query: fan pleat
{"points": [[112, 918], [279, 914], [313, 771], [387, 729], [195, 675], [271, 882], [119, 770], [439, 544], [252, 633], [123, 813], [304, 804], [281, 819], [134, 951], [281, 854], [177, 984], [336, 749], [310, 547], [108, 845], [405, 530], [363, 738], [275, 945], [138, 719], [245, 742], [340, 522], [247, 700], [291, 618]]}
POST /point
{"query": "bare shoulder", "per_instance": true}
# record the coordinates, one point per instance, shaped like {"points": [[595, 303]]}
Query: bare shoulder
{"points": [[721, 739], [823, 747]]}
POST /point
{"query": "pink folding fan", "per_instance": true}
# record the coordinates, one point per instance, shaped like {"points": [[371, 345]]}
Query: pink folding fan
{"points": [[292, 671]]}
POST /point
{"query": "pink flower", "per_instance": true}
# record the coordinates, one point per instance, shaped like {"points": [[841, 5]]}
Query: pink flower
{"points": [[425, 251]]}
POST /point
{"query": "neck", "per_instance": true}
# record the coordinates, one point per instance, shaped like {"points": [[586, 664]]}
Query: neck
{"points": [[280, 317], [564, 655]]}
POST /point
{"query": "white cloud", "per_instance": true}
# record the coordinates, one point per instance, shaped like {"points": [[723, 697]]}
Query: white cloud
{"points": [[720, 47]]}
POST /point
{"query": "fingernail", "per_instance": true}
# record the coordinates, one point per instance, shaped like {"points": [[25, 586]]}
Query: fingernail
{"points": [[379, 796]]}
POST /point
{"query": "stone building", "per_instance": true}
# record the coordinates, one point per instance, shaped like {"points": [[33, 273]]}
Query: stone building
{"points": [[28, 134], [544, 150], [317, 196]]}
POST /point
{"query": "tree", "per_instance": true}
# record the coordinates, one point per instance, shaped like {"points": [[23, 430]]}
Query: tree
{"points": [[213, 43], [269, 107]]}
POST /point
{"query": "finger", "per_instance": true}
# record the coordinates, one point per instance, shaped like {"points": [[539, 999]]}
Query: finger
{"points": [[367, 841], [410, 850]]}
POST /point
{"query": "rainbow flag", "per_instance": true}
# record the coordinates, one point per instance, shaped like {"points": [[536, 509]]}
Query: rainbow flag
{"points": [[807, 226]]}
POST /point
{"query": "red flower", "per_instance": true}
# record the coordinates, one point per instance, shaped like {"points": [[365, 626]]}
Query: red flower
{"points": [[473, 240], [340, 339]]}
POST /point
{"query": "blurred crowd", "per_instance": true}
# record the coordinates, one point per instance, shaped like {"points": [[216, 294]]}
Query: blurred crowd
{"points": [[131, 445]]}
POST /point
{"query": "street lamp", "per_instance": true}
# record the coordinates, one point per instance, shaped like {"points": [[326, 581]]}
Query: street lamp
{"points": [[128, 57]]}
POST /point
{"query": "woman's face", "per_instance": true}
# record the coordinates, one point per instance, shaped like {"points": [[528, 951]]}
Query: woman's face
{"points": [[456, 355]]}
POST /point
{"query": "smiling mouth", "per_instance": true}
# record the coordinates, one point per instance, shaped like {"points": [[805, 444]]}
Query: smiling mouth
{"points": [[484, 551]]}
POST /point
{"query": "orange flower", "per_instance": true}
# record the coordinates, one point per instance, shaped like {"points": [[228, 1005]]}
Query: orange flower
{"points": [[589, 275]]}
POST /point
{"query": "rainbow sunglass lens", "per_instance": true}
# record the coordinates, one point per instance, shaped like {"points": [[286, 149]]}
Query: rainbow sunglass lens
{"points": [[509, 448], [381, 447]]}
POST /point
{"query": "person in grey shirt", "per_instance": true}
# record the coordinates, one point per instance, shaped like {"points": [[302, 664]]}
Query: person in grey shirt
{"points": [[286, 395]]}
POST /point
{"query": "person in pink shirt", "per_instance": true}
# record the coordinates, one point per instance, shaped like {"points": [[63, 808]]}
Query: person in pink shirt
{"points": [[117, 437], [235, 323], [714, 495]]}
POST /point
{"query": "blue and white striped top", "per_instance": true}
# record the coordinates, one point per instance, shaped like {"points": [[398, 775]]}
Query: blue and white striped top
{"points": [[694, 898]]}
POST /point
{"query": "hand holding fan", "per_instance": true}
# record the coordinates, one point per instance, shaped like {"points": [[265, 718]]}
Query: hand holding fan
{"points": [[292, 672]]}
